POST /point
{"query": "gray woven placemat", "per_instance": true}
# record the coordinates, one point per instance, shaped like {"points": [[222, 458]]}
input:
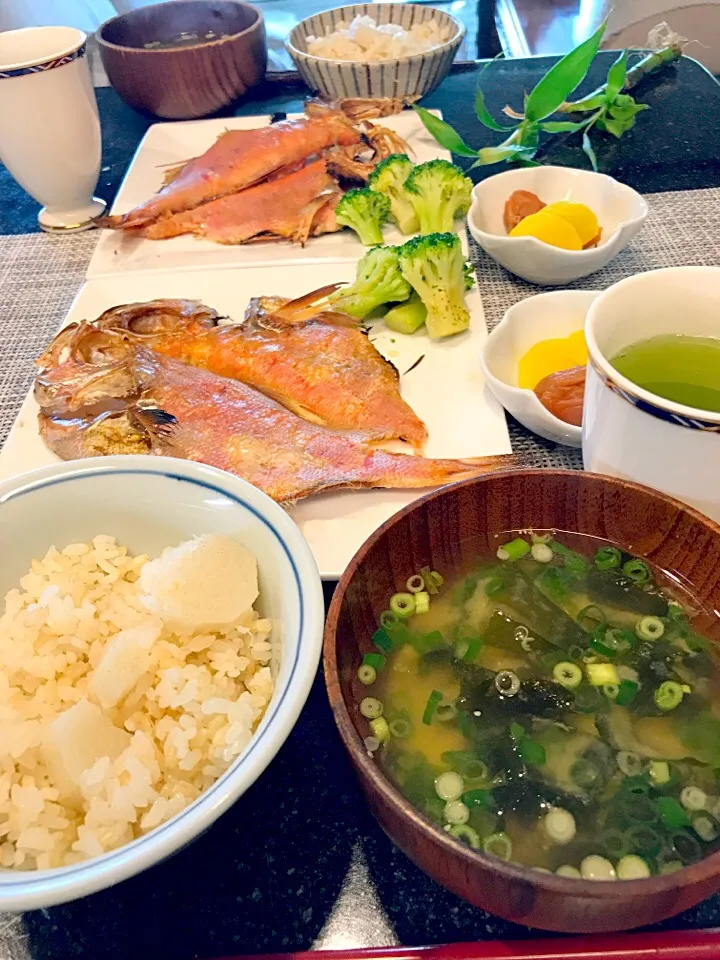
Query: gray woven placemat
{"points": [[40, 275]]}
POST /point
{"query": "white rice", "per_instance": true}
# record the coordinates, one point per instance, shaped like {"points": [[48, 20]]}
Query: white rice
{"points": [[364, 40], [183, 721]]}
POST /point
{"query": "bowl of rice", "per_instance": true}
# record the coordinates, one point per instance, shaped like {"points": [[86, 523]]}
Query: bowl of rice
{"points": [[160, 632], [394, 50]]}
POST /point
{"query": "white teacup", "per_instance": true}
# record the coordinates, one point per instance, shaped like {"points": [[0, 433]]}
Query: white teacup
{"points": [[49, 124], [629, 432]]}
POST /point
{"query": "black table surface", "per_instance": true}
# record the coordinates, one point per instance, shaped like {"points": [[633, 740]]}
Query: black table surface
{"points": [[266, 876]]}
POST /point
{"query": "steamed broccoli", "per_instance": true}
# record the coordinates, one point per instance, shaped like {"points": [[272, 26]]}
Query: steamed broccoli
{"points": [[435, 267], [439, 192], [364, 211], [389, 178], [378, 281]]}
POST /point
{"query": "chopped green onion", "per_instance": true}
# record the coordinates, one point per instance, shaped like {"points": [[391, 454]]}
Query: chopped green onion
{"points": [[380, 729], [415, 584], [627, 691], [559, 825], [541, 537], [574, 563], [632, 868], [615, 843], [644, 838], [445, 712], [668, 695], [650, 628], [585, 773], [375, 660], [456, 812], [659, 772], [514, 550], [498, 845], [686, 846], [568, 674], [541, 553], [567, 870], [636, 786], [366, 674], [637, 570], [388, 619], [671, 866], [591, 617], [400, 728], [507, 683], [402, 605], [631, 764], [612, 642], [517, 731], [596, 867], [587, 698], [705, 829], [610, 690], [601, 673], [371, 708], [478, 798], [382, 640], [693, 798], [422, 602], [532, 752], [468, 649], [640, 809], [673, 815], [607, 558], [449, 785], [494, 586], [371, 745], [433, 700], [466, 834]]}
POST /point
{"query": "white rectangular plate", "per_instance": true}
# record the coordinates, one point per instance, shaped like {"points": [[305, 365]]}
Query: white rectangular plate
{"points": [[167, 143], [446, 390]]}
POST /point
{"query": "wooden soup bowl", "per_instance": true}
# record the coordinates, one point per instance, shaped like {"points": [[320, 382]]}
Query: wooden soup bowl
{"points": [[194, 80], [446, 530]]}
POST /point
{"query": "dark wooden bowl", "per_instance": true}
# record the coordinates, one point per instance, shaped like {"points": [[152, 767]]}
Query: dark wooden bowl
{"points": [[446, 530], [189, 81]]}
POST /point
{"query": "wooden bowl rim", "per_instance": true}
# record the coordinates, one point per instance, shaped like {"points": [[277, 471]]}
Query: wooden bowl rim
{"points": [[460, 31], [123, 48], [617, 890]]}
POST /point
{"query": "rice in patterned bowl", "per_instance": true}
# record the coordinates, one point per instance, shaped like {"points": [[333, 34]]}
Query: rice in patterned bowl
{"points": [[161, 628]]}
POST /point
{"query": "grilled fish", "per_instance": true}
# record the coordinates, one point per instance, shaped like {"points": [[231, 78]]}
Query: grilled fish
{"points": [[239, 159], [178, 410], [317, 363], [290, 207]]}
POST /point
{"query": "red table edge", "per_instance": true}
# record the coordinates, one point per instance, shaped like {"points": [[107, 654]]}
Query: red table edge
{"points": [[664, 945]]}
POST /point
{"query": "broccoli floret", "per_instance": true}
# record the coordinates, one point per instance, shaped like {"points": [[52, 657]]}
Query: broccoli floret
{"points": [[389, 178], [364, 211], [378, 281], [439, 192], [435, 267]]}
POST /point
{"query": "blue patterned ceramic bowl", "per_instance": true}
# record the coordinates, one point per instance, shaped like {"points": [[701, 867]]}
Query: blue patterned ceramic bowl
{"points": [[412, 76]]}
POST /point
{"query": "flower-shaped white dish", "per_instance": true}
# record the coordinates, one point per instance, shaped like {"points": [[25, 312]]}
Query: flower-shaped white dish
{"points": [[542, 317], [620, 210]]}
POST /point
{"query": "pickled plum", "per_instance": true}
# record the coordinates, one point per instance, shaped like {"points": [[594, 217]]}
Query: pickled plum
{"points": [[562, 394]]}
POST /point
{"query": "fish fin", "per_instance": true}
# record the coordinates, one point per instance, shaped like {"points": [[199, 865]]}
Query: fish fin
{"points": [[295, 406], [159, 425]]}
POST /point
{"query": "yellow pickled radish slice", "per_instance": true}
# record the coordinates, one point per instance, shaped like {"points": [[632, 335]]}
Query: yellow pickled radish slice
{"points": [[550, 229], [581, 217]]}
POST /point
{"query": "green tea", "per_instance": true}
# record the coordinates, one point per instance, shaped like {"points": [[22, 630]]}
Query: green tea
{"points": [[679, 368], [552, 706]]}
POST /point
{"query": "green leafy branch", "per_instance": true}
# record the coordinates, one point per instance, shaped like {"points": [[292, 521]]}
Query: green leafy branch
{"points": [[609, 108]]}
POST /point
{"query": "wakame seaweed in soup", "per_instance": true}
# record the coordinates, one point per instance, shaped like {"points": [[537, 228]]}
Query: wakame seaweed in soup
{"points": [[552, 709]]}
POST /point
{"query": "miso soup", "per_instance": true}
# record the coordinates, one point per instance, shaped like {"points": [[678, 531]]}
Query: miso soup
{"points": [[553, 708]]}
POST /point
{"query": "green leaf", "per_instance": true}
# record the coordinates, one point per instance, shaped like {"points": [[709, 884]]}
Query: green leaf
{"points": [[625, 107], [616, 76], [489, 155], [444, 134], [587, 104], [484, 115], [560, 81], [616, 127], [563, 126], [588, 150]]}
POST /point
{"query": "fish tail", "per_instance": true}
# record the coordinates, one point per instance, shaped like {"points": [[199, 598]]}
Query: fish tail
{"points": [[399, 470]]}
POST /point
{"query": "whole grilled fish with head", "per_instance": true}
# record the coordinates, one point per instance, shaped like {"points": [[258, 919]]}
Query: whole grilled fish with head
{"points": [[316, 362], [182, 411], [239, 159], [291, 207]]}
